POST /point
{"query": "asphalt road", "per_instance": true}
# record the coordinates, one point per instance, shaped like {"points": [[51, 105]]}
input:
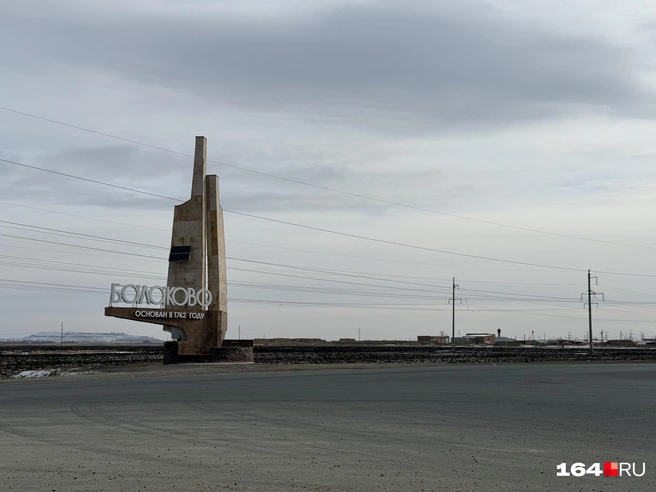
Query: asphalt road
{"points": [[455, 428]]}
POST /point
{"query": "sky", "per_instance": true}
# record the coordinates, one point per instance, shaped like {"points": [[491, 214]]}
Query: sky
{"points": [[380, 149]]}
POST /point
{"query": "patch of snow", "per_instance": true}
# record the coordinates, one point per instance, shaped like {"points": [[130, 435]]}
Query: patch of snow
{"points": [[33, 374]]}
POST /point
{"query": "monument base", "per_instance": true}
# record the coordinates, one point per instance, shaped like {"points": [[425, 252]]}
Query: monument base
{"points": [[231, 351]]}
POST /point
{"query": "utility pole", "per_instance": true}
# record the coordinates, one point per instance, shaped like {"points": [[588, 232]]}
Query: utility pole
{"points": [[453, 313], [591, 295], [239, 329], [453, 317], [61, 335], [590, 311], [359, 335]]}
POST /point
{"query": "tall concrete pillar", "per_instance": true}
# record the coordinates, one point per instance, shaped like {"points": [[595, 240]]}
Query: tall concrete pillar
{"points": [[189, 230], [216, 256]]}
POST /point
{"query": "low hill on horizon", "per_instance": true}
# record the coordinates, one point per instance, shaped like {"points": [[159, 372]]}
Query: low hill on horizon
{"points": [[81, 337]]}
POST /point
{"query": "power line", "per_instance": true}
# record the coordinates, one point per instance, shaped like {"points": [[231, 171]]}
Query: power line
{"points": [[324, 271], [28, 285], [333, 272], [64, 264], [627, 290], [327, 188], [67, 288], [87, 179], [252, 285], [626, 310], [518, 310], [59, 232], [314, 228], [112, 240], [94, 132], [54, 249], [297, 276], [281, 265], [324, 290], [651, 275], [476, 292], [583, 318], [83, 217], [511, 293], [386, 260], [84, 247], [92, 269], [344, 234], [49, 284], [422, 248], [494, 282], [632, 302]]}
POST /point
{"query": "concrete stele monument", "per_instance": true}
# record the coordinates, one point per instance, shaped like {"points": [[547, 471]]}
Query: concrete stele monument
{"points": [[198, 224], [193, 305]]}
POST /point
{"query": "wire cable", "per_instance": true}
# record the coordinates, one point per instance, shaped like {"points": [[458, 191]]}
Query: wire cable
{"points": [[327, 188], [328, 231]]}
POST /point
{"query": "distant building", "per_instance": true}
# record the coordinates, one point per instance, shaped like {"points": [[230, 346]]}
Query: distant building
{"points": [[476, 339], [438, 340], [506, 341]]}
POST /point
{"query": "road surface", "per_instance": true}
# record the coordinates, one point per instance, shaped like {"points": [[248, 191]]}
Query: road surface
{"points": [[453, 428]]}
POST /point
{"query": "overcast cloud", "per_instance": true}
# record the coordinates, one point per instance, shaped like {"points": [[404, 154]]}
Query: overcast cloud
{"points": [[428, 66], [536, 114]]}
